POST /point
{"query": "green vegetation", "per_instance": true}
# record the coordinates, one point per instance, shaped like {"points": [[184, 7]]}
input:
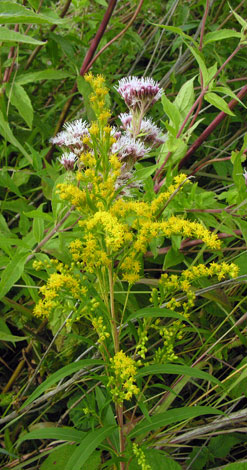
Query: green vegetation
{"points": [[123, 235]]}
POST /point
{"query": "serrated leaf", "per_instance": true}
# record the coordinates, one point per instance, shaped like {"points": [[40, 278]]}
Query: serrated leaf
{"points": [[19, 98], [18, 14], [48, 74], [218, 102], [6, 35]]}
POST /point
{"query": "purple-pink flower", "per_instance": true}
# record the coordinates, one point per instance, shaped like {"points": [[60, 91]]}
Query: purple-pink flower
{"points": [[68, 160], [139, 93], [71, 136]]}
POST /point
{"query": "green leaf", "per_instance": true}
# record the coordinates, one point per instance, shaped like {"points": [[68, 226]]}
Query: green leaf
{"points": [[47, 74], [201, 62], [87, 446], [220, 35], [6, 35], [19, 98], [220, 446], [170, 417], [176, 30], [172, 112], [12, 338], [59, 375], [61, 434], [156, 313], [12, 272], [227, 91], [9, 136], [218, 102], [177, 369], [38, 229], [37, 214], [185, 97], [17, 14], [57, 457], [236, 466]]}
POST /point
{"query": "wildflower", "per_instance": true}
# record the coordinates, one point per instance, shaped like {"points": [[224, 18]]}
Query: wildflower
{"points": [[122, 381], [72, 136], [148, 132], [129, 148], [139, 93], [68, 160]]}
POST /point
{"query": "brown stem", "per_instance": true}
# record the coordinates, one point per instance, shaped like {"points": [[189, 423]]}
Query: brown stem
{"points": [[211, 128], [12, 53], [117, 36], [84, 68]]}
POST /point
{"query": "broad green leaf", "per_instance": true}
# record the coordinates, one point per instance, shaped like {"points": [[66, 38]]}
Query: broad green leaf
{"points": [[239, 18], [37, 214], [227, 91], [177, 369], [9, 136], [218, 102], [7, 35], [172, 112], [143, 173], [19, 98], [17, 14], [170, 417], [57, 457], [220, 35], [154, 312], [11, 338], [47, 74], [87, 446], [12, 272], [7, 182], [59, 375], [236, 466], [38, 229], [61, 434], [185, 97]]}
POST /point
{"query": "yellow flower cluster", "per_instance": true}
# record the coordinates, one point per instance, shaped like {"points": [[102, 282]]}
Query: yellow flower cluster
{"points": [[163, 197], [73, 194], [141, 459], [122, 381], [100, 329], [170, 334], [89, 255], [97, 98], [63, 282]]}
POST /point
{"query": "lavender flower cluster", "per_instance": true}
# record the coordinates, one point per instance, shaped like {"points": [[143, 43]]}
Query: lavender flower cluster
{"points": [[135, 138]]}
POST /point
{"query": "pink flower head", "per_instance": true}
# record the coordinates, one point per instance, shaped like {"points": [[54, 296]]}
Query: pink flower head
{"points": [[128, 148], [245, 176], [139, 93], [72, 136], [68, 160]]}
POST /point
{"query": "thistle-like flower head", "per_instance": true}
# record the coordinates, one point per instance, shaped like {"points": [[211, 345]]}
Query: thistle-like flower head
{"points": [[139, 93], [128, 148], [71, 136], [68, 160]]}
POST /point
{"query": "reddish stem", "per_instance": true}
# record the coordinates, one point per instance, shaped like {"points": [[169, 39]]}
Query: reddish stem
{"points": [[211, 128]]}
